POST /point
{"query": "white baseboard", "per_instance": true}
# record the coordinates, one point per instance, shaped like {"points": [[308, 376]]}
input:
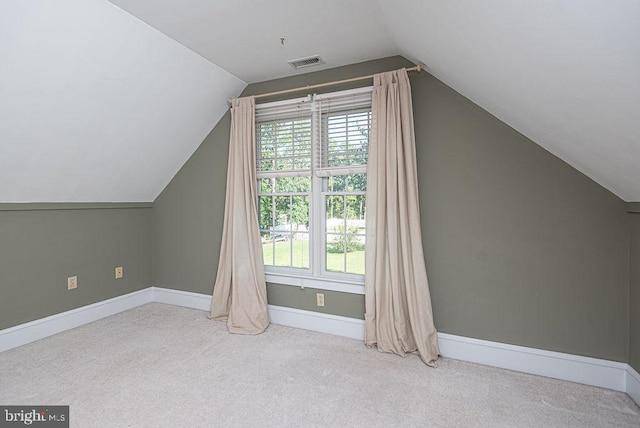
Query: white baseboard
{"points": [[633, 384], [316, 321], [181, 298], [575, 368], [39, 329]]}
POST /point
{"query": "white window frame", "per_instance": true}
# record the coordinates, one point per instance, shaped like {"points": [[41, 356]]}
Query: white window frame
{"points": [[317, 276]]}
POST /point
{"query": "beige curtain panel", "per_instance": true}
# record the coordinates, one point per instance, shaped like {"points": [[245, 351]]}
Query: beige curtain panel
{"points": [[240, 292], [398, 316]]}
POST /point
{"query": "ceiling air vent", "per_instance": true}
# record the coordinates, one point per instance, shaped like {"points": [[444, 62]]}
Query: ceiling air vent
{"points": [[309, 61]]}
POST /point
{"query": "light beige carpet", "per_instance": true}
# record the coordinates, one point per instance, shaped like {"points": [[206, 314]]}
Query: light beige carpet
{"points": [[166, 366]]}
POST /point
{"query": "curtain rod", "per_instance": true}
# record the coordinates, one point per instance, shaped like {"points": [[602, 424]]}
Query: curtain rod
{"points": [[418, 68]]}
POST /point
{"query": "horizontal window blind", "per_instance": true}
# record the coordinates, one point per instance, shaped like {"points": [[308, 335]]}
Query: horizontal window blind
{"points": [[345, 123], [331, 130], [284, 139]]}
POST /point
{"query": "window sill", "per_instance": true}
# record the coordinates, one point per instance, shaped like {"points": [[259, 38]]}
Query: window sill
{"points": [[354, 287]]}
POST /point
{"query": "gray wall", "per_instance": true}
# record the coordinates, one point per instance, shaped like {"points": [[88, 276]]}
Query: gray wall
{"points": [[40, 248], [187, 217], [634, 292], [520, 247]]}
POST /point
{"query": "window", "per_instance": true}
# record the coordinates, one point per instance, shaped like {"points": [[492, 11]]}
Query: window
{"points": [[312, 176]]}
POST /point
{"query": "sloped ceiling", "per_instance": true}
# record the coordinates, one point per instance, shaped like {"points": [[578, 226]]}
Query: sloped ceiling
{"points": [[100, 105], [97, 106], [564, 73]]}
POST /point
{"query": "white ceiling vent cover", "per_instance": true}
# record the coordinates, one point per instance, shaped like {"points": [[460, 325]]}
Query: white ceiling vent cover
{"points": [[309, 61]]}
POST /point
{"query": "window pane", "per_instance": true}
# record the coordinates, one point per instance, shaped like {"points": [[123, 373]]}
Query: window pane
{"points": [[265, 209], [357, 183], [300, 213], [337, 183], [267, 248], [300, 250], [265, 185], [352, 207], [334, 252], [282, 249], [282, 220], [355, 210], [360, 211], [335, 212], [355, 257], [293, 184], [303, 184], [266, 165]]}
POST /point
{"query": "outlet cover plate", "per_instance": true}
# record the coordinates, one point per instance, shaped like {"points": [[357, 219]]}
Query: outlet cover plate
{"points": [[72, 283]]}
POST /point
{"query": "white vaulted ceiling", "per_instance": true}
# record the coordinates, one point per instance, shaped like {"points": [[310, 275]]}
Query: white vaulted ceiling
{"points": [[564, 73], [99, 104]]}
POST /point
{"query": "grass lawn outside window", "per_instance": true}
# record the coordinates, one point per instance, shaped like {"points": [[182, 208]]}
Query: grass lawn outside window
{"points": [[300, 248]]}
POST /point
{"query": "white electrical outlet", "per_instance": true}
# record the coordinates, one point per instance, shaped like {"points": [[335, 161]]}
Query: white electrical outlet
{"points": [[72, 282], [119, 272], [320, 299]]}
